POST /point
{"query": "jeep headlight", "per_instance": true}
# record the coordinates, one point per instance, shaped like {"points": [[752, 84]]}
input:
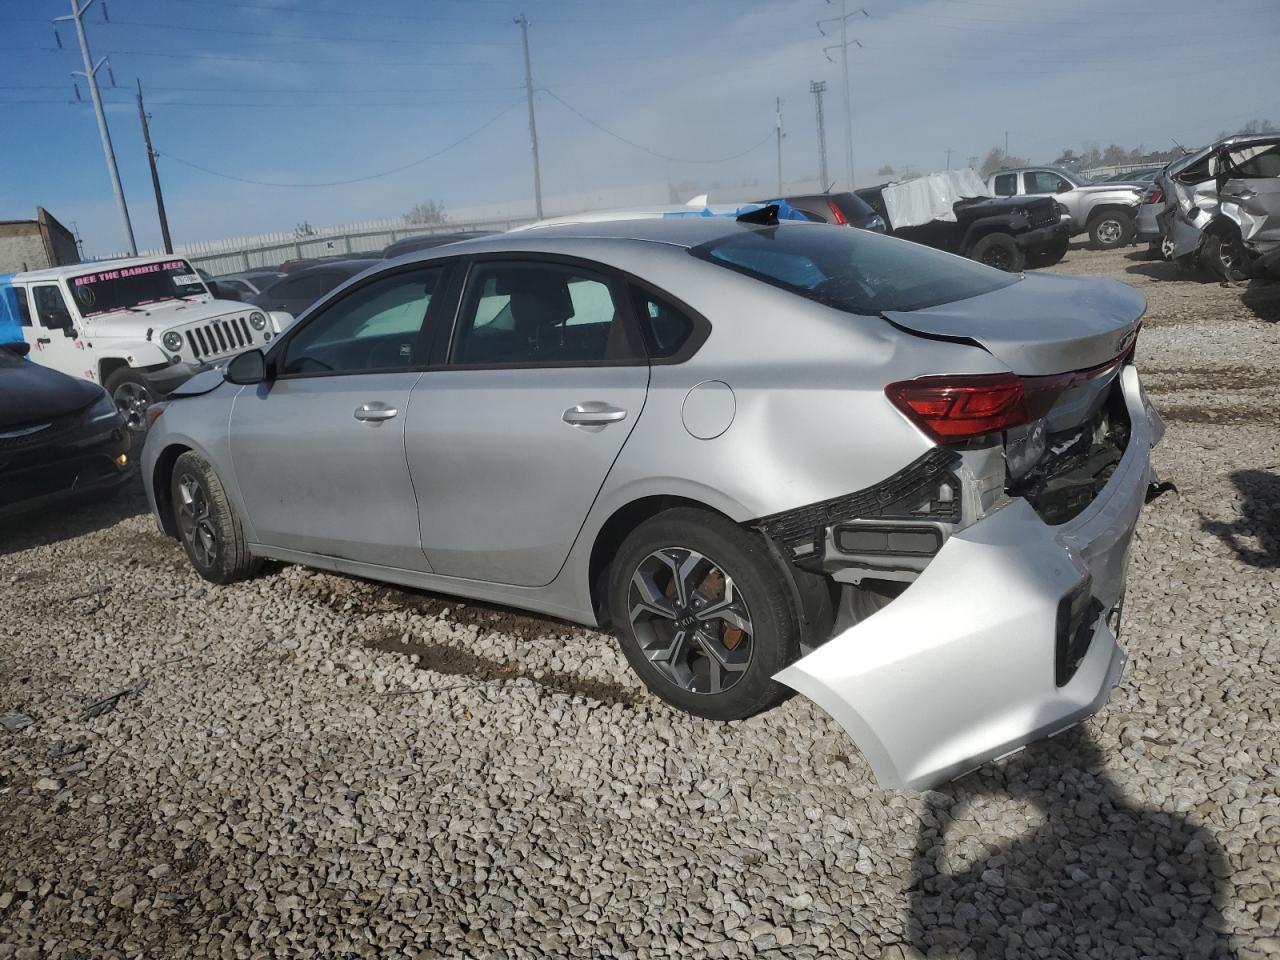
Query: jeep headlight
{"points": [[258, 320], [172, 341]]}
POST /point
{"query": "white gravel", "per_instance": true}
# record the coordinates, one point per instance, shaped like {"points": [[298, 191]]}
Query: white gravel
{"points": [[309, 765]]}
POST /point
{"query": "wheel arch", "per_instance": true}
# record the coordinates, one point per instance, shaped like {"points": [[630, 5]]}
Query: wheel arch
{"points": [[1110, 207], [616, 529], [109, 365], [161, 474]]}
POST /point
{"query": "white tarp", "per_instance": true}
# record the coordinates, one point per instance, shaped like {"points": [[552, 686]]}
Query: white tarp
{"points": [[931, 197]]}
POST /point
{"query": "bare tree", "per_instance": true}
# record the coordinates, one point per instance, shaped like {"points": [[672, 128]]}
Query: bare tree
{"points": [[427, 212], [885, 171], [1115, 155], [997, 158]]}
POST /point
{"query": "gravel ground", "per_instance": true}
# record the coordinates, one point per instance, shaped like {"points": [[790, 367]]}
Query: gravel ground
{"points": [[310, 765]]}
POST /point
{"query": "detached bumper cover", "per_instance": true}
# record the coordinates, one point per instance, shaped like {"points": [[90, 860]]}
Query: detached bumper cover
{"points": [[960, 669]]}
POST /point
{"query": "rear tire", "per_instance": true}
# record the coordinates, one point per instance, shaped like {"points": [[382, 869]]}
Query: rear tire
{"points": [[1110, 229], [1224, 256], [670, 576], [208, 527], [998, 250]]}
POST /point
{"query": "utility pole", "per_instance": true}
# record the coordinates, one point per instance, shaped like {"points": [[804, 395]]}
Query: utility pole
{"points": [[1006, 144], [817, 88], [523, 21], [948, 158], [777, 104], [844, 68], [90, 75], [155, 174]]}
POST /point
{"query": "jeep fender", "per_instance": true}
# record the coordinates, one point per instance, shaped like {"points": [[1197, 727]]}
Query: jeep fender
{"points": [[1006, 223]]}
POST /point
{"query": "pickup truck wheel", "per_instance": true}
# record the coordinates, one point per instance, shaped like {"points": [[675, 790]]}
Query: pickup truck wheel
{"points": [[131, 395], [1110, 229], [207, 524], [998, 250], [704, 615]]}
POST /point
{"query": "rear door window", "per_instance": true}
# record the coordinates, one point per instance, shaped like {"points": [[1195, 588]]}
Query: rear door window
{"points": [[1006, 184], [665, 327], [540, 314]]}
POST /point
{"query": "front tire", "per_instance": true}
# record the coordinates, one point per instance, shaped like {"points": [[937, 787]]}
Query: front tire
{"points": [[703, 614], [998, 250], [1111, 229], [132, 395], [207, 524], [1224, 256]]}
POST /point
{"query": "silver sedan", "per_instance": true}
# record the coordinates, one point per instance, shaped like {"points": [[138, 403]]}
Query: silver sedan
{"points": [[768, 457]]}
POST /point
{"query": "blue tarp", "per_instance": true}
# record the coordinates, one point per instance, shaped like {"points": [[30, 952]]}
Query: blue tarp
{"points": [[10, 318], [785, 211]]}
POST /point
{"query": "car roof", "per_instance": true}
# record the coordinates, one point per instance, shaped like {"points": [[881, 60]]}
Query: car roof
{"points": [[353, 266], [57, 273], [688, 231]]}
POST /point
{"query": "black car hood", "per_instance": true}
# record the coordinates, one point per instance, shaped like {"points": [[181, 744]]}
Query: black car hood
{"points": [[30, 393]]}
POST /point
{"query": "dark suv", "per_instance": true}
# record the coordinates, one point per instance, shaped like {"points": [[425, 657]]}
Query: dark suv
{"points": [[839, 208], [1007, 234]]}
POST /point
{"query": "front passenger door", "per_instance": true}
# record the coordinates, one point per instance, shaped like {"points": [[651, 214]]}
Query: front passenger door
{"points": [[510, 442], [318, 449]]}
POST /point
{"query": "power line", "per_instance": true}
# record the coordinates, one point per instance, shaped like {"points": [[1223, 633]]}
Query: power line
{"points": [[653, 153], [340, 183]]}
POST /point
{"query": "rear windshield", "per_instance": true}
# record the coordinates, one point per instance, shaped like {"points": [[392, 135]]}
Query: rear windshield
{"points": [[852, 270], [135, 287]]}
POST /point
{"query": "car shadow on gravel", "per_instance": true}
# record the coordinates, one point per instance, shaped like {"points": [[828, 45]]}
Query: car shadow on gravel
{"points": [[1259, 520], [1263, 298], [66, 521], [1097, 876]]}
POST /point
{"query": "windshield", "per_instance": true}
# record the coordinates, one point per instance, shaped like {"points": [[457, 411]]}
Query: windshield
{"points": [[124, 288], [853, 270]]}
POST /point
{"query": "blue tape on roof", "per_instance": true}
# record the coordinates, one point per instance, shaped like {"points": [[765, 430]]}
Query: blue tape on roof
{"points": [[10, 318], [785, 211]]}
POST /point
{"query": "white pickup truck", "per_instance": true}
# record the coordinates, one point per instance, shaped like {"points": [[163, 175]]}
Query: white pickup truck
{"points": [[140, 327]]}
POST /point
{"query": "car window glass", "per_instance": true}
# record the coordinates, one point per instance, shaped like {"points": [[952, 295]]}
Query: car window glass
{"points": [[17, 296], [51, 308], [1042, 181], [664, 327], [374, 327], [539, 313], [857, 271], [1254, 161], [1006, 184]]}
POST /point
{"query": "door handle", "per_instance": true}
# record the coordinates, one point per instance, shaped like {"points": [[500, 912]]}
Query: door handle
{"points": [[43, 340], [593, 413], [375, 412]]}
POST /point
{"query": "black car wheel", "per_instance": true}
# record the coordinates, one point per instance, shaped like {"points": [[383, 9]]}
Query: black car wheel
{"points": [[207, 524], [998, 250], [1224, 255], [703, 614], [132, 395]]}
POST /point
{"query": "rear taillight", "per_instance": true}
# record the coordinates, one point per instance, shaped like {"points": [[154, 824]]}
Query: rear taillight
{"points": [[950, 409], [954, 409], [1154, 195], [837, 215]]}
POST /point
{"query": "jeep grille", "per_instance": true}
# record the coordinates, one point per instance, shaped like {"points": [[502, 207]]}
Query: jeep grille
{"points": [[224, 335]]}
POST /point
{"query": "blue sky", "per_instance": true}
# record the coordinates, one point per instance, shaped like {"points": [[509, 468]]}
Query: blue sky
{"points": [[311, 92]]}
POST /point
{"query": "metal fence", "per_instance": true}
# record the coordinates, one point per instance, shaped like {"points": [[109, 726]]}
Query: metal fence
{"points": [[268, 250]]}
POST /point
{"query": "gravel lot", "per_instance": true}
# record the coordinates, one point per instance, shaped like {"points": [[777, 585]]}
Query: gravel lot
{"points": [[309, 765]]}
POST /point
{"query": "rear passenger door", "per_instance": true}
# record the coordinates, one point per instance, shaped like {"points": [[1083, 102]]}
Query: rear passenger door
{"points": [[510, 436], [1252, 184]]}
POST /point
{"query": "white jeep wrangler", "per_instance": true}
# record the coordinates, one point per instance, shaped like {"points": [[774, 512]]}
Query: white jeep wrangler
{"points": [[140, 327]]}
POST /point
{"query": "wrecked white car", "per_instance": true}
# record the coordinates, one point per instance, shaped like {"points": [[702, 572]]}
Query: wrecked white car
{"points": [[1222, 208], [770, 456]]}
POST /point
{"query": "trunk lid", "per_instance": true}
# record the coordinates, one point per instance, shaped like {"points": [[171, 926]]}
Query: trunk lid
{"points": [[1041, 325]]}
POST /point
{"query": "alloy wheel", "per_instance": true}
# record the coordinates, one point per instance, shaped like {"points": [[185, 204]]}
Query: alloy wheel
{"points": [[999, 258], [195, 523], [132, 400], [1110, 232], [690, 620]]}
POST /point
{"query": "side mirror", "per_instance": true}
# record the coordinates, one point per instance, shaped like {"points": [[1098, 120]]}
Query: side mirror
{"points": [[248, 367], [64, 323]]}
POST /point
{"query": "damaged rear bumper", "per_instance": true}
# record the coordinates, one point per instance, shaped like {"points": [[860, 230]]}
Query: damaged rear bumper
{"points": [[1006, 637]]}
